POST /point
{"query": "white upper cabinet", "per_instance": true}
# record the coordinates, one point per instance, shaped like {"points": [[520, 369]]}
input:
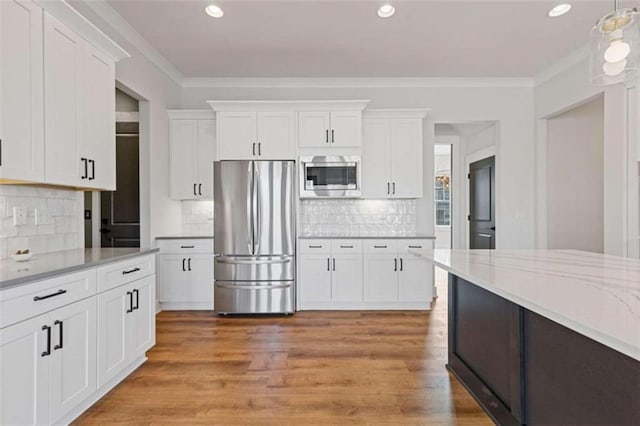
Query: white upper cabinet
{"points": [[21, 96], [335, 128], [245, 135], [392, 155], [192, 148]]}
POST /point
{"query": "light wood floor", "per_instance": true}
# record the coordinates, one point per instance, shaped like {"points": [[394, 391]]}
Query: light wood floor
{"points": [[311, 368]]}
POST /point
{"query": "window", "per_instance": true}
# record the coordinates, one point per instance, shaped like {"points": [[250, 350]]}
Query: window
{"points": [[442, 200]]}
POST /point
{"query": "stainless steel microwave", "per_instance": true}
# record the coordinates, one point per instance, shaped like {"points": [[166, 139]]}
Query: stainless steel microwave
{"points": [[330, 177]]}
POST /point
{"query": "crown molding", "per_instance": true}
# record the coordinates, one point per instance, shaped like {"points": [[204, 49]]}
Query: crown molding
{"points": [[386, 82], [333, 105], [118, 23], [396, 113], [563, 64]]}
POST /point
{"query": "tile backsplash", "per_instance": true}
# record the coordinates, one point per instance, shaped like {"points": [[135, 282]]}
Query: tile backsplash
{"points": [[197, 217], [56, 227], [357, 217]]}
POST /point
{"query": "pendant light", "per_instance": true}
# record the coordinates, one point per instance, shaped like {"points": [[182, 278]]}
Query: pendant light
{"points": [[615, 47]]}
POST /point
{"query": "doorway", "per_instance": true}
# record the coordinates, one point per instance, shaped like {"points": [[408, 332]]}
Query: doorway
{"points": [[482, 204], [442, 195]]}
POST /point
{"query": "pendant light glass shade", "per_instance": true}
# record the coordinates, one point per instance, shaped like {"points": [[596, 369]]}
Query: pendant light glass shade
{"points": [[615, 48]]}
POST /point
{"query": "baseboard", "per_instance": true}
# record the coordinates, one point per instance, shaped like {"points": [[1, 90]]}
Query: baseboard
{"points": [[186, 306], [98, 394]]}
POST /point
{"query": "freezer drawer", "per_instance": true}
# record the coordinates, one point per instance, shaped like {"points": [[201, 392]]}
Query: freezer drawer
{"points": [[254, 268], [265, 297]]}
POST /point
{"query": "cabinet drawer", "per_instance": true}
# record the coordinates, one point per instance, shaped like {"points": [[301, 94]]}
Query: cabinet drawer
{"points": [[415, 245], [346, 246], [314, 246], [195, 245], [381, 246], [119, 273], [34, 299]]}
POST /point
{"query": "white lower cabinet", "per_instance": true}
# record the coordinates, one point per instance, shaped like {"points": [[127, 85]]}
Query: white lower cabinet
{"points": [[364, 274], [126, 326], [48, 364], [185, 279], [55, 365]]}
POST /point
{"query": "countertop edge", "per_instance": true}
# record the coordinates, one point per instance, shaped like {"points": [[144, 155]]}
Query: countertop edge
{"points": [[604, 339], [16, 282]]}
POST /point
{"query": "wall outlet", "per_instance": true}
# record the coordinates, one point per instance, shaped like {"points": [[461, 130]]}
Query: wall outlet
{"points": [[19, 216]]}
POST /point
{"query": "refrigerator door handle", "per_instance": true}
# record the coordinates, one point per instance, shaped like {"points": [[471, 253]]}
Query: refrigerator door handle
{"points": [[256, 212], [252, 286], [251, 215], [232, 261]]}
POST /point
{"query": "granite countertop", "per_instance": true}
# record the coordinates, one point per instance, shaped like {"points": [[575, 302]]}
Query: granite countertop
{"points": [[593, 294], [368, 237], [43, 266], [184, 237]]}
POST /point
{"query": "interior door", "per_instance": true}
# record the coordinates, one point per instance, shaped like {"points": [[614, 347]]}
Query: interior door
{"points": [[482, 204], [233, 207], [73, 361], [274, 207], [120, 209], [21, 90]]}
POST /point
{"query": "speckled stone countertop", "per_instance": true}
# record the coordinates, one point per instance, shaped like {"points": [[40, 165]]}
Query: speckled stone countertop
{"points": [[368, 237], [596, 295], [43, 266]]}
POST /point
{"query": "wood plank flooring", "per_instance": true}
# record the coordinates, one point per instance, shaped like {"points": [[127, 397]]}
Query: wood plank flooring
{"points": [[311, 368]]}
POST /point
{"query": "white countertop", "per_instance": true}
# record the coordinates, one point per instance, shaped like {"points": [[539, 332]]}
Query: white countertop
{"points": [[185, 237], [47, 265], [593, 294]]}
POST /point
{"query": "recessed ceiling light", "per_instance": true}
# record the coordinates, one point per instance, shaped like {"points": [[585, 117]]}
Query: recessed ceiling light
{"points": [[214, 11], [386, 11], [560, 10]]}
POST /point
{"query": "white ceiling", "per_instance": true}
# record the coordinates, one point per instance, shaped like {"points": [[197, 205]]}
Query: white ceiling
{"points": [[306, 38]]}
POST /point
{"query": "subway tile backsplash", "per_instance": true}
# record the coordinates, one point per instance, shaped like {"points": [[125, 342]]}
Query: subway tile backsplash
{"points": [[197, 217], [58, 222], [357, 217]]}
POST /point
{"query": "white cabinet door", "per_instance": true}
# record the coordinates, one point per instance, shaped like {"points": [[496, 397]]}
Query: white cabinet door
{"points": [[380, 278], [63, 55], [376, 182], [314, 129], [21, 91], [142, 320], [237, 135], [315, 278], [73, 358], [24, 373], [200, 278], [206, 157], [113, 333], [172, 278], [415, 280], [184, 159], [346, 128], [276, 136], [406, 158], [346, 280], [98, 127]]}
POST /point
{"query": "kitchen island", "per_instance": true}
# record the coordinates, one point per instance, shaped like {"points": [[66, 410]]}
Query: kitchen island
{"points": [[545, 336]]}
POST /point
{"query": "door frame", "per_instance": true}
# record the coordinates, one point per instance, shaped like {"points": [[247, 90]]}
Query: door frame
{"points": [[455, 190]]}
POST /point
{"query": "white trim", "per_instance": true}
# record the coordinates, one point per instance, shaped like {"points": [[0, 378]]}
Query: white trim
{"points": [[61, 10], [562, 65], [420, 113], [387, 82], [185, 306], [252, 105], [191, 114], [118, 23], [364, 306]]}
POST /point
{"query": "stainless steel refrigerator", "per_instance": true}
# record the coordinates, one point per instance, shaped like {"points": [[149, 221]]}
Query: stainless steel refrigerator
{"points": [[254, 240]]}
